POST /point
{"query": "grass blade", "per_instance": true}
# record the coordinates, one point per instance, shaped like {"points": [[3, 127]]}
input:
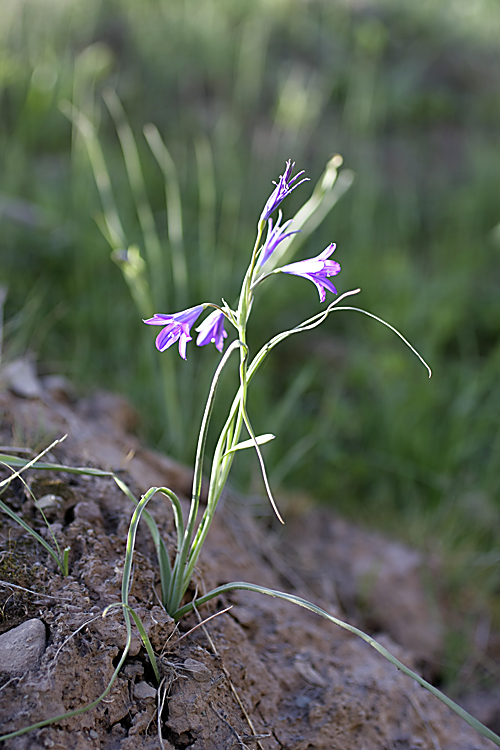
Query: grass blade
{"points": [[241, 586]]}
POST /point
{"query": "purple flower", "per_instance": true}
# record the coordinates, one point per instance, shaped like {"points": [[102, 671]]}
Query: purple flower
{"points": [[177, 328], [211, 331], [274, 237], [316, 270], [282, 189]]}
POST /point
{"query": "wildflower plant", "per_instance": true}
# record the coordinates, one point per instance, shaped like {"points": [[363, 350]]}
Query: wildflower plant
{"points": [[176, 327]]}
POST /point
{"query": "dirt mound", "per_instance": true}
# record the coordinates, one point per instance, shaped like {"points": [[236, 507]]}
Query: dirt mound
{"points": [[263, 674]]}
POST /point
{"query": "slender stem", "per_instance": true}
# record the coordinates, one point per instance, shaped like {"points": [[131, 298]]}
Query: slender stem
{"points": [[129, 551], [229, 436], [245, 300], [231, 431], [178, 574], [221, 466], [189, 552], [219, 476], [262, 464], [394, 330]]}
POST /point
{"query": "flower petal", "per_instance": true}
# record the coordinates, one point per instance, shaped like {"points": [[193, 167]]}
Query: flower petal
{"points": [[176, 328], [158, 320], [168, 336], [317, 270], [184, 338], [327, 252], [211, 331], [275, 237], [282, 189]]}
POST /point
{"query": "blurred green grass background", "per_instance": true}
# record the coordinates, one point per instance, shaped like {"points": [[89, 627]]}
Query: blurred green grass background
{"points": [[408, 94]]}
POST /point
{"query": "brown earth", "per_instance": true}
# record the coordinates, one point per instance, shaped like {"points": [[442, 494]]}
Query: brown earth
{"points": [[263, 674]]}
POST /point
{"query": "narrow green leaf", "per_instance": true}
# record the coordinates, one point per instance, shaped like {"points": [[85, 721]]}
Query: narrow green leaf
{"points": [[259, 439], [146, 641], [8, 511], [242, 586]]}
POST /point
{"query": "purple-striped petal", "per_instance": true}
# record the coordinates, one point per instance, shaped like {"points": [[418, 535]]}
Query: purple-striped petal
{"points": [[211, 331], [318, 270], [274, 237], [176, 328], [283, 188]]}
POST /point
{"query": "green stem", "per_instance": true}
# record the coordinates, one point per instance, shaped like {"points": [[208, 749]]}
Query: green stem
{"points": [[221, 467], [244, 304], [178, 576], [223, 456]]}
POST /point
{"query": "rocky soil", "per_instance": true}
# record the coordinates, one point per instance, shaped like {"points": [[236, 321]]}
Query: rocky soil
{"points": [[263, 674]]}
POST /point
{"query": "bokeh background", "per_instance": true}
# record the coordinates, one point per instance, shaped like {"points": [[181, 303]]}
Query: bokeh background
{"points": [[138, 143]]}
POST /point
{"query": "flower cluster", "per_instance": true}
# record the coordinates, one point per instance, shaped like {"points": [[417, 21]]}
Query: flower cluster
{"points": [[177, 326]]}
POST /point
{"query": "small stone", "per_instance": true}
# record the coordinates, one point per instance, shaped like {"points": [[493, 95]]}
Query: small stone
{"points": [[21, 648], [21, 378], [49, 501], [198, 671], [89, 511], [144, 692], [302, 701], [49, 505], [93, 734]]}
